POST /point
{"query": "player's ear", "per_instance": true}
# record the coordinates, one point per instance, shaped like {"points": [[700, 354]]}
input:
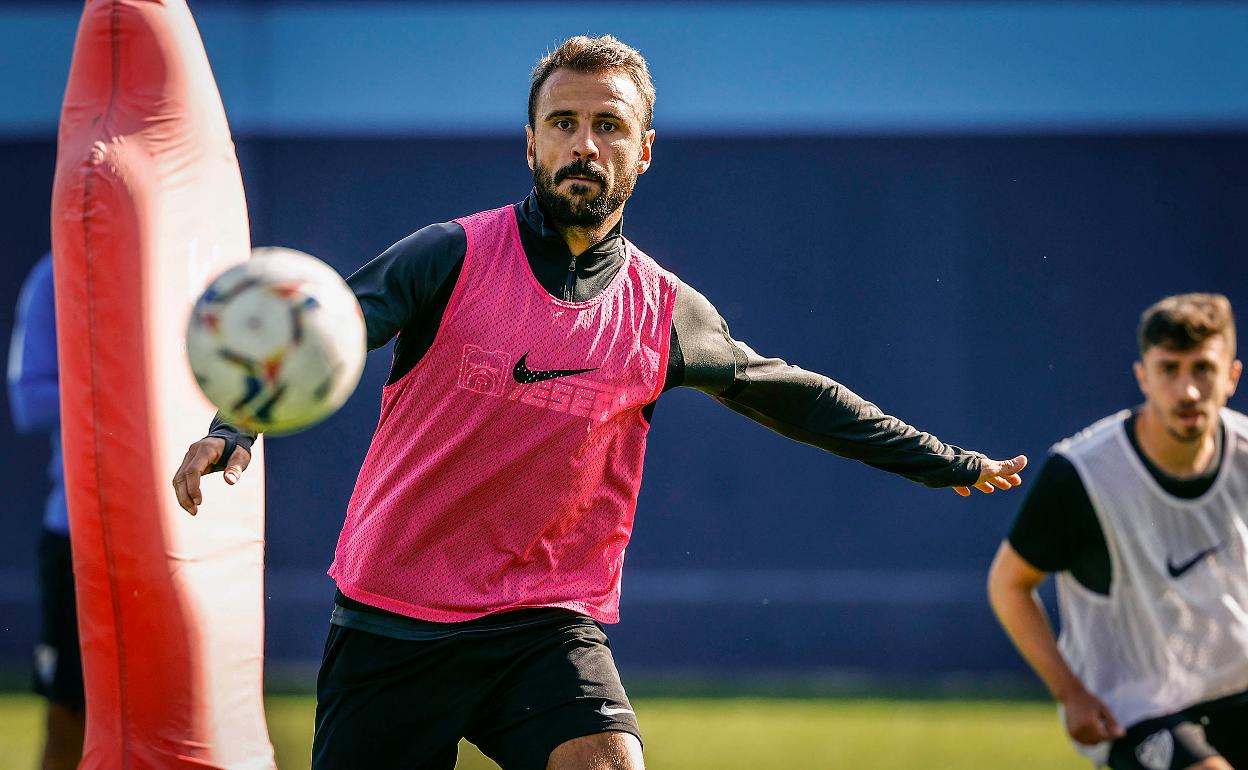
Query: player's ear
{"points": [[647, 148], [1237, 368], [529, 151], [1141, 377]]}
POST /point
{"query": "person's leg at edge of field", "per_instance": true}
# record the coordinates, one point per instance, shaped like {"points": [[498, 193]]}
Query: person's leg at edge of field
{"points": [[66, 726], [386, 704], [58, 661], [604, 751], [1212, 763], [1175, 742]]}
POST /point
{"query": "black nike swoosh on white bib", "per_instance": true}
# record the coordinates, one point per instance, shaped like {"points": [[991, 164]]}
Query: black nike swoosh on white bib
{"points": [[522, 374], [1176, 570]]}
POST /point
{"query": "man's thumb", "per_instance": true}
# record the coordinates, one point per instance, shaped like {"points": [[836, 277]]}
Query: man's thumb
{"points": [[1014, 466], [239, 461]]}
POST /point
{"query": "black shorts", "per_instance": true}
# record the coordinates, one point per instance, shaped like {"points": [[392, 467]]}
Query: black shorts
{"points": [[1176, 741], [516, 692], [57, 661]]}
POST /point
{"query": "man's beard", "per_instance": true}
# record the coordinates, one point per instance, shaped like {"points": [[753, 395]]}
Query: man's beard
{"points": [[1189, 435], [580, 211]]}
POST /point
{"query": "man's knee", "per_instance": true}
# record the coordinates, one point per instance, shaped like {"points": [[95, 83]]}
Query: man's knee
{"points": [[1212, 763], [602, 751]]}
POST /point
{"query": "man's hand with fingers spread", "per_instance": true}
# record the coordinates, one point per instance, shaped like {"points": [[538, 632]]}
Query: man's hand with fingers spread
{"points": [[201, 459], [997, 474]]}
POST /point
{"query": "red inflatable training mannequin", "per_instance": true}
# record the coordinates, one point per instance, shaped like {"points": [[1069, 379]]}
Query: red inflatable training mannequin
{"points": [[148, 206]]}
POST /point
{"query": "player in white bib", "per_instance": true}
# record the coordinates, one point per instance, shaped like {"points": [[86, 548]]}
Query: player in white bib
{"points": [[1144, 518]]}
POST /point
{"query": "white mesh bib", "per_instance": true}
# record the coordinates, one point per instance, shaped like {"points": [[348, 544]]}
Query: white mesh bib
{"points": [[1173, 631]]}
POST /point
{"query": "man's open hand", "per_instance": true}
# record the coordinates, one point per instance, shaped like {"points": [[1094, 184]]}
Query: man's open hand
{"points": [[997, 474], [199, 460]]}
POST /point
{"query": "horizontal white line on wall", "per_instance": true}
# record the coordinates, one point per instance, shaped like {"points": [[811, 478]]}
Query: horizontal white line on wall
{"points": [[677, 587]]}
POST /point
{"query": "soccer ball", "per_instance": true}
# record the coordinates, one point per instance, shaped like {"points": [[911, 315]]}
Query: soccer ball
{"points": [[277, 342]]}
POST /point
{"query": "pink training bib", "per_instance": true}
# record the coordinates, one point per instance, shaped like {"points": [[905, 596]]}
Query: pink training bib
{"points": [[505, 468]]}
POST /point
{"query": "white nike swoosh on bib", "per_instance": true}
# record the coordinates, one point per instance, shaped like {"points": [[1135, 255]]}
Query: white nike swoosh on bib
{"points": [[607, 711]]}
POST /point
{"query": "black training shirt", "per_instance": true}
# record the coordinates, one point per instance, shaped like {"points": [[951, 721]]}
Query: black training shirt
{"points": [[405, 290], [1057, 530]]}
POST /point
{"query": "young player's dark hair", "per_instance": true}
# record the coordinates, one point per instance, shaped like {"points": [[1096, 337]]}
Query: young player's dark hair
{"points": [[1183, 321], [594, 55]]}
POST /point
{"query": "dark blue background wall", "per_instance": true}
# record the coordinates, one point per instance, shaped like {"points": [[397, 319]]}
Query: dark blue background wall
{"points": [[985, 288], [956, 208]]}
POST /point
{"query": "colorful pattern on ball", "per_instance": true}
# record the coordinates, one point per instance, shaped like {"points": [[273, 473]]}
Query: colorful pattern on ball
{"points": [[277, 343]]}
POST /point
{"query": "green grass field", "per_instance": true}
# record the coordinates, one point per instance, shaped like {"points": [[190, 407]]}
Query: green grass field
{"points": [[735, 734]]}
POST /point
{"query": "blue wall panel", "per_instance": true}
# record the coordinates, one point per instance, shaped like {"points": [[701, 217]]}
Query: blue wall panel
{"points": [[984, 288], [396, 68]]}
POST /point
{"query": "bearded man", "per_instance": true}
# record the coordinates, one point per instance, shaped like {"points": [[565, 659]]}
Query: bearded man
{"points": [[483, 545]]}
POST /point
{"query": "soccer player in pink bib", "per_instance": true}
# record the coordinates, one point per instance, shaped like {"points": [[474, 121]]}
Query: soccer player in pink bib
{"points": [[483, 546]]}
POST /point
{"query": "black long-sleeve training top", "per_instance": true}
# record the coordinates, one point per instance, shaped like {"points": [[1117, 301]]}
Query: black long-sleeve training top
{"points": [[405, 291]]}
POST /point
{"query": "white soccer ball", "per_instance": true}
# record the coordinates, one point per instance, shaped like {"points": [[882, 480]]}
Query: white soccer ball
{"points": [[277, 342]]}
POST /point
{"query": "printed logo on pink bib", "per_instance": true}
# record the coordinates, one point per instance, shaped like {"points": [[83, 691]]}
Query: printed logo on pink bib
{"points": [[558, 390], [505, 467]]}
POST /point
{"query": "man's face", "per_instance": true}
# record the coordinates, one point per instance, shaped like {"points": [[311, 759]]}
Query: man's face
{"points": [[1184, 389], [588, 145]]}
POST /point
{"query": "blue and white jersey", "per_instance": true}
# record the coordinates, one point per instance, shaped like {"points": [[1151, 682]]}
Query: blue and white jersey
{"points": [[34, 391]]}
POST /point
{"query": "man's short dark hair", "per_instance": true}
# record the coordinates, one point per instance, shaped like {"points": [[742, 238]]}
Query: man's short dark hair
{"points": [[594, 55], [1184, 321]]}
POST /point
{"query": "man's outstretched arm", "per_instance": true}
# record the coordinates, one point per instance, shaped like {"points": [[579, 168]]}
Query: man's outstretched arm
{"points": [[1012, 584], [817, 410]]}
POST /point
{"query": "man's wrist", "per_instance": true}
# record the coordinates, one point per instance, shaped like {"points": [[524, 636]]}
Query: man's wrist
{"points": [[232, 435], [1067, 687], [231, 443]]}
